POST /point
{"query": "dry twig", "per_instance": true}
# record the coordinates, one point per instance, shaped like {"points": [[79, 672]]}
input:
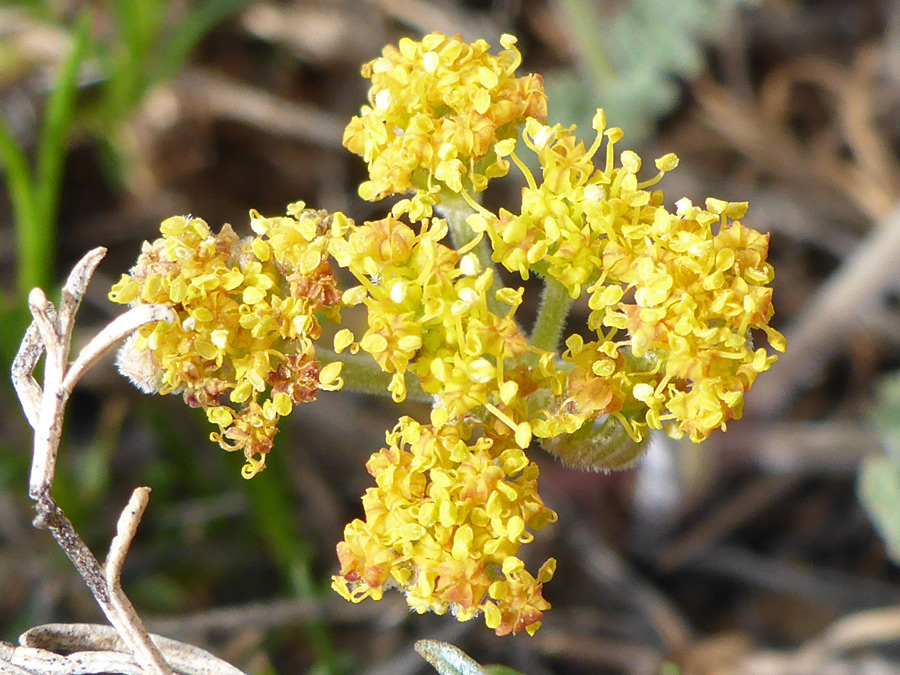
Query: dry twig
{"points": [[50, 334], [95, 648]]}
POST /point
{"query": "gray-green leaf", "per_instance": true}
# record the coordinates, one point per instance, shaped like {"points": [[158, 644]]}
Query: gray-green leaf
{"points": [[879, 491], [447, 659]]}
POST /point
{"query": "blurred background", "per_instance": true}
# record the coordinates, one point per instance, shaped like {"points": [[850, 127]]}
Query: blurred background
{"points": [[767, 549]]}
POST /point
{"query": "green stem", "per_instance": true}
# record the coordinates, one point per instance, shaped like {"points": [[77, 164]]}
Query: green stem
{"points": [[551, 317], [139, 30], [362, 375], [455, 210]]}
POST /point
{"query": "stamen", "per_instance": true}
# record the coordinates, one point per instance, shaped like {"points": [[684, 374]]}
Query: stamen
{"points": [[529, 177]]}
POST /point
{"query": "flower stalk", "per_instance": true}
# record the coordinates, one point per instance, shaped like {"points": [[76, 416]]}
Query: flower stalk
{"points": [[551, 317]]}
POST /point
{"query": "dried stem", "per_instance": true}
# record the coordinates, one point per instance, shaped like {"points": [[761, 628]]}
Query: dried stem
{"points": [[94, 648], [51, 334]]}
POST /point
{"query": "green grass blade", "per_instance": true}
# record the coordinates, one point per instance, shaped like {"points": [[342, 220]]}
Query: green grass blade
{"points": [[139, 27], [51, 154], [21, 195], [270, 500], [191, 30], [135, 19]]}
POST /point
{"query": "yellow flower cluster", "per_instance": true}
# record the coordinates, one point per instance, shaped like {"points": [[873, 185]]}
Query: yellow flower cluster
{"points": [[242, 344], [436, 109], [675, 297], [444, 523], [428, 314], [700, 286], [565, 221]]}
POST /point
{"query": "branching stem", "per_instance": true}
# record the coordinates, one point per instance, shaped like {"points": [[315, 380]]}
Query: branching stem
{"points": [[51, 334]]}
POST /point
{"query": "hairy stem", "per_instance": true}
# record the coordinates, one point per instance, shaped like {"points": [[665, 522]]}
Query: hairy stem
{"points": [[551, 317], [362, 375]]}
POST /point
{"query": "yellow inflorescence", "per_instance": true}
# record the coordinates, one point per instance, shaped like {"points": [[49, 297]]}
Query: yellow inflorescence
{"points": [[428, 314], [675, 297], [436, 109], [242, 344], [445, 523]]}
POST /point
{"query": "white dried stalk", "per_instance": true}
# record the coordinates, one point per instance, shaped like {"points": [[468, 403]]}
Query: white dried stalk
{"points": [[131, 627], [118, 329], [27, 389], [51, 334], [50, 412], [100, 647]]}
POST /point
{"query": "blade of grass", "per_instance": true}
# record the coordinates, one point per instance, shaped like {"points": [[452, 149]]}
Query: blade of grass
{"points": [[139, 24], [271, 504], [21, 195], [145, 55], [191, 30]]}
